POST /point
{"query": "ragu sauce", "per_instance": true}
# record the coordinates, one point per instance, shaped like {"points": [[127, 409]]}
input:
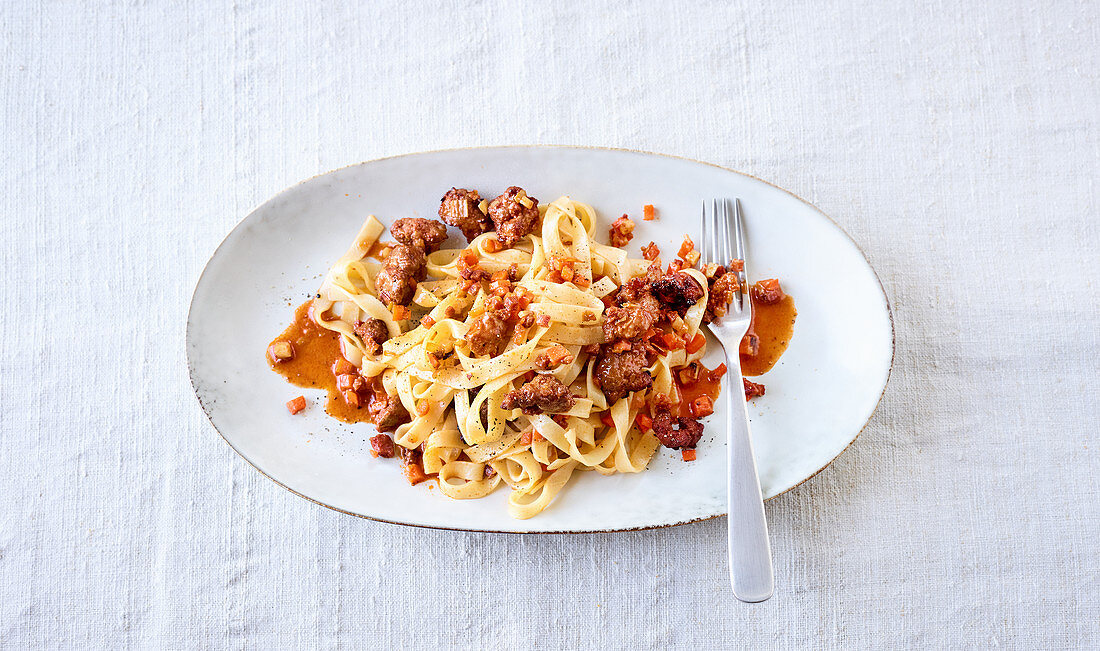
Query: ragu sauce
{"points": [[774, 325], [315, 350]]}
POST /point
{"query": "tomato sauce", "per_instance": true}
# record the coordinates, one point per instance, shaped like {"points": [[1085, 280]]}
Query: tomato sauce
{"points": [[315, 350], [774, 325]]}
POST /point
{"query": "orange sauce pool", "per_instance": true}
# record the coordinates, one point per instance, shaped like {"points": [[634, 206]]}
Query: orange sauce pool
{"points": [[315, 349], [774, 325], [704, 386]]}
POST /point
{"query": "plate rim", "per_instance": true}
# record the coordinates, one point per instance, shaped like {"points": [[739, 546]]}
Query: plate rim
{"points": [[284, 191]]}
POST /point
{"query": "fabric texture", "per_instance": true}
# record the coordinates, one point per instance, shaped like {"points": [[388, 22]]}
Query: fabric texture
{"points": [[958, 144]]}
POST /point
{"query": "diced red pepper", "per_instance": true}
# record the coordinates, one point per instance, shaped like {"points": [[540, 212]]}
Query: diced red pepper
{"points": [[718, 372], [647, 213], [525, 438], [688, 454], [645, 423], [296, 405], [607, 420]]}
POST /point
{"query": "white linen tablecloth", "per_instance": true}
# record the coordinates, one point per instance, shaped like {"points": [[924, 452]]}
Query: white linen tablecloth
{"points": [[959, 144]]}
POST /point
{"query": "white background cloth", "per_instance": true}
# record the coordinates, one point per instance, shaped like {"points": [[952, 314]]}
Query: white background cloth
{"points": [[958, 144]]}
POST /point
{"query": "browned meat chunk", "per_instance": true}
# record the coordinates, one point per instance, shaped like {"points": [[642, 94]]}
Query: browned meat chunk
{"points": [[767, 291], [677, 291], [489, 334], [632, 320], [676, 432], [412, 464], [752, 389], [543, 394], [620, 373], [722, 291], [396, 282], [636, 287], [424, 234], [387, 412], [511, 215], [460, 209], [382, 446], [374, 333], [621, 232]]}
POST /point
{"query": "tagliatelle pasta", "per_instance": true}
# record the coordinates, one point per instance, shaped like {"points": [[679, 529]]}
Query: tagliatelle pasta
{"points": [[523, 358]]}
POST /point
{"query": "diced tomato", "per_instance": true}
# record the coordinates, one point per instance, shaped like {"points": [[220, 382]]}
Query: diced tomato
{"points": [[718, 372], [647, 213], [701, 406], [352, 398], [697, 342], [525, 438], [400, 312], [688, 454], [645, 423], [607, 420], [344, 382], [535, 436], [427, 321], [296, 405]]}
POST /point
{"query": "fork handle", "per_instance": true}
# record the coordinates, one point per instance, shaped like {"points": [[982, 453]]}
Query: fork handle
{"points": [[750, 554]]}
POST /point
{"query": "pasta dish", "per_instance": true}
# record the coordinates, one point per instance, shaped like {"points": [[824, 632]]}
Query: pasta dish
{"points": [[530, 354]]}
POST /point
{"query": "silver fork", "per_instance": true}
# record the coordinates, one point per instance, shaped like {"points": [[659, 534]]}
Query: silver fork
{"points": [[750, 556]]}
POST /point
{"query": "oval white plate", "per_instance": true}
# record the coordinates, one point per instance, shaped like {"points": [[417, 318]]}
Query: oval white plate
{"points": [[819, 396]]}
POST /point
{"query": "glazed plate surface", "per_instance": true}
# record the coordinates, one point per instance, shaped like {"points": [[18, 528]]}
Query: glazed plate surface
{"points": [[819, 396]]}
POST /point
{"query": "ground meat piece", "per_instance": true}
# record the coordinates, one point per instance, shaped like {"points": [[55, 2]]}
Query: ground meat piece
{"points": [[374, 333], [767, 291], [382, 445], [621, 232], [424, 234], [543, 394], [387, 412], [396, 282], [677, 291], [512, 218], [676, 432], [488, 335], [632, 320], [634, 288], [752, 389], [722, 291], [460, 209], [620, 373]]}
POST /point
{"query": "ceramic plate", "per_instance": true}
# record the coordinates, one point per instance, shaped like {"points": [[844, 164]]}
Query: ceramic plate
{"points": [[819, 396]]}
